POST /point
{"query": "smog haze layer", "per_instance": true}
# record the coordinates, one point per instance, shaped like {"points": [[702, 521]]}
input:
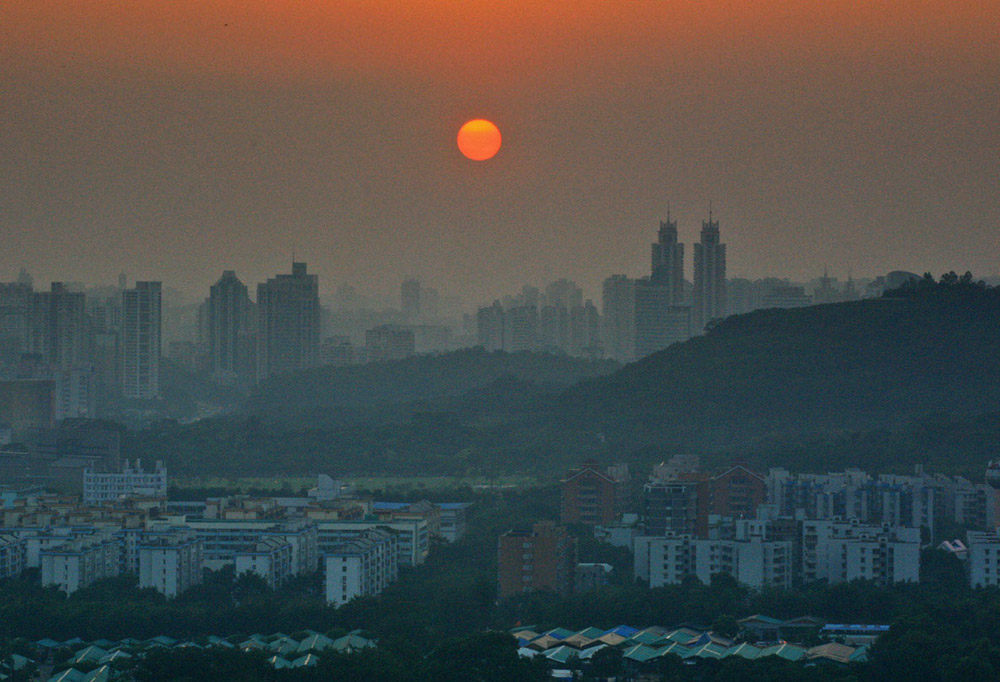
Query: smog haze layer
{"points": [[174, 139]]}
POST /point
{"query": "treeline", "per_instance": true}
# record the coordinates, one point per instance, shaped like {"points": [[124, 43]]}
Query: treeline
{"points": [[390, 391], [455, 592], [452, 599], [913, 377]]}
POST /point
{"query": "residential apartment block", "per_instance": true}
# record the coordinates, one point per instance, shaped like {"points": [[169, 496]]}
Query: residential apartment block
{"points": [[540, 558], [132, 481], [170, 563], [361, 567], [270, 558], [983, 558], [593, 495], [80, 562]]}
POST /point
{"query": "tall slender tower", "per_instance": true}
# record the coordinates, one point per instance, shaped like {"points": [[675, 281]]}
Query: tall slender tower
{"points": [[60, 333], [288, 322], [668, 261], [709, 275], [409, 294], [141, 329], [229, 329]]}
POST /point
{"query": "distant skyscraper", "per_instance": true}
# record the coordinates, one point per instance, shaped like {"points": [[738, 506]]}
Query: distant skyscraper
{"points": [[389, 342], [564, 293], [668, 262], [229, 329], [585, 331], [288, 321], [141, 339], [16, 300], [489, 327], [709, 275], [658, 322], [60, 329], [520, 329], [618, 316], [553, 328], [409, 293]]}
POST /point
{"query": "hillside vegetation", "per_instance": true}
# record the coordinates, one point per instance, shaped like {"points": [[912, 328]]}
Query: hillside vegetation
{"points": [[913, 377]]}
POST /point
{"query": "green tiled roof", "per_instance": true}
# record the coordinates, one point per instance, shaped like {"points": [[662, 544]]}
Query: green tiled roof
{"points": [[789, 652], [641, 653]]}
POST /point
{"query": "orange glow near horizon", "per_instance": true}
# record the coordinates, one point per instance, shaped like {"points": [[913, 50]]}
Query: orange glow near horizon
{"points": [[479, 139]]}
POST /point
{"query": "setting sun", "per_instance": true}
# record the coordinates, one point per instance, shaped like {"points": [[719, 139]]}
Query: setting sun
{"points": [[479, 139]]}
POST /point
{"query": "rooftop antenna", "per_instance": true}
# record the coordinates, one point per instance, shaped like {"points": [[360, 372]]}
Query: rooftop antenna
{"points": [[668, 211], [709, 211]]}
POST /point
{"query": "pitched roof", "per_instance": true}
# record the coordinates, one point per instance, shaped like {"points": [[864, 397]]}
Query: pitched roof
{"points": [[307, 661], [744, 651], [758, 618], [832, 651], [641, 653], [561, 654], [316, 642], [789, 652]]}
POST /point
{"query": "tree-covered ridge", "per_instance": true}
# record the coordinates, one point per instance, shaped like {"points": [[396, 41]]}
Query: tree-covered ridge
{"points": [[913, 377], [876, 363], [331, 395]]}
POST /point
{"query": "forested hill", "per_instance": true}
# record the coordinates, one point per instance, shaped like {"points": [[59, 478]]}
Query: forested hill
{"points": [[909, 378], [330, 395], [867, 364]]}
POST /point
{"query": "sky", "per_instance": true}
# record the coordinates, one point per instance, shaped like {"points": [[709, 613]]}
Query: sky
{"points": [[172, 140]]}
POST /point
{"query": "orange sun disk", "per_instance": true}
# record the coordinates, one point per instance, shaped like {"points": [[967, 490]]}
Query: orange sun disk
{"points": [[479, 139]]}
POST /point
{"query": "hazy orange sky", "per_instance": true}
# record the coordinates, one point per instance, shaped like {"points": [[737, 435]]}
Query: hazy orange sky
{"points": [[174, 139]]}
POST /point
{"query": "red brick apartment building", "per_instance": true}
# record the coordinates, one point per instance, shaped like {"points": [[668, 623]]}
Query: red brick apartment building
{"points": [[540, 558], [593, 495]]}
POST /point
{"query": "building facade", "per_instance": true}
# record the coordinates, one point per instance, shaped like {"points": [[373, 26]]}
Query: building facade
{"points": [[540, 558], [132, 481], [288, 323], [667, 267], [170, 563], [591, 495], [141, 341], [709, 276], [231, 339], [361, 567]]}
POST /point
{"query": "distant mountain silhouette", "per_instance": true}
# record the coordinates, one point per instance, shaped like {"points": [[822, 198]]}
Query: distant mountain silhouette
{"points": [[912, 377], [866, 364]]}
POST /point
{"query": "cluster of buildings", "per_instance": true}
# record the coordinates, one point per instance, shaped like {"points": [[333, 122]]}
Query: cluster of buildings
{"points": [[782, 529], [640, 316], [59, 458], [356, 543], [69, 354], [642, 649], [101, 660], [557, 321]]}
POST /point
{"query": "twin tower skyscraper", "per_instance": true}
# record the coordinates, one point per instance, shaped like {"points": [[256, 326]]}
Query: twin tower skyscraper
{"points": [[708, 297], [642, 316]]}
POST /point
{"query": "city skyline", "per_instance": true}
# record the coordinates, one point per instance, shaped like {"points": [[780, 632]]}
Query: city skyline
{"points": [[172, 142]]}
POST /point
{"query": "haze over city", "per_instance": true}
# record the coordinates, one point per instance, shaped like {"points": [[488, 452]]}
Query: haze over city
{"points": [[172, 140]]}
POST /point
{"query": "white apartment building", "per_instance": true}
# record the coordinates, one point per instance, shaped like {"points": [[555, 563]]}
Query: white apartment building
{"points": [[361, 567], [170, 563], [754, 562], [80, 562], [271, 559], [11, 556], [984, 558], [224, 539], [412, 536], [132, 481], [838, 551], [453, 519]]}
